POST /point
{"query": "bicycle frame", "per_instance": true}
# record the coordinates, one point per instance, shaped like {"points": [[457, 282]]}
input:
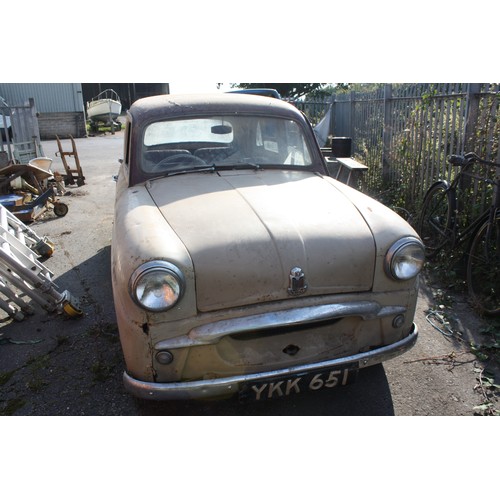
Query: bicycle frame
{"points": [[440, 227], [460, 235]]}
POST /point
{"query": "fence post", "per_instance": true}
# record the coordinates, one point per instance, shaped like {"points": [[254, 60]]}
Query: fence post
{"points": [[471, 115], [332, 116], [36, 129], [352, 105], [386, 133]]}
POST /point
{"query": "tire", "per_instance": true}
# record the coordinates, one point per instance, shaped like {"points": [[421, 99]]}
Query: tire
{"points": [[483, 269], [60, 209], [435, 225]]}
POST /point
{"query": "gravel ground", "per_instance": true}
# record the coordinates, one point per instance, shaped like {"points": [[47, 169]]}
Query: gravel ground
{"points": [[51, 365]]}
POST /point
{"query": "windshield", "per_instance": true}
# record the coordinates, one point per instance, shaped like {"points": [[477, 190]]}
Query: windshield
{"points": [[224, 141]]}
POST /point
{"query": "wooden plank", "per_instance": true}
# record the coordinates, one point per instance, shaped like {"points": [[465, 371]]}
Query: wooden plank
{"points": [[352, 164]]}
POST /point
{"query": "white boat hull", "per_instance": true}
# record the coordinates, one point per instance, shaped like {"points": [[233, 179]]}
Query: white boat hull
{"points": [[104, 110]]}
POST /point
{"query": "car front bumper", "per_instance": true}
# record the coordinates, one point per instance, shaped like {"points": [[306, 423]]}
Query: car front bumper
{"points": [[227, 386]]}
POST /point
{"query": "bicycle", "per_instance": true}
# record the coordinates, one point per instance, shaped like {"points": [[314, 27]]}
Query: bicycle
{"points": [[439, 227]]}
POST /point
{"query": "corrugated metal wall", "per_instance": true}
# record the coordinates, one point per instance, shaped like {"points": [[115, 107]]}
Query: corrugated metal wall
{"points": [[49, 97]]}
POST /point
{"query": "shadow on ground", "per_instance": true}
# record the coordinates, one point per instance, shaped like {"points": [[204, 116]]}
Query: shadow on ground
{"points": [[74, 366], [368, 396]]}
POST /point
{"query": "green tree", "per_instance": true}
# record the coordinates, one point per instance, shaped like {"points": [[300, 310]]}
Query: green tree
{"points": [[287, 90], [328, 89]]}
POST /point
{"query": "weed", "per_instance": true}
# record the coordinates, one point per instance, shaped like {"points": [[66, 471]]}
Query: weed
{"points": [[36, 366], [108, 330], [61, 340], [489, 390], [12, 406], [36, 384], [6, 376], [101, 371], [489, 349], [39, 362]]}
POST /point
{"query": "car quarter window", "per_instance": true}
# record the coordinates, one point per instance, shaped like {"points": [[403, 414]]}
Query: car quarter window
{"points": [[224, 140]]}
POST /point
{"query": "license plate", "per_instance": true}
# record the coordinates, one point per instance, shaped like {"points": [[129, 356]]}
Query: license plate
{"points": [[298, 383]]}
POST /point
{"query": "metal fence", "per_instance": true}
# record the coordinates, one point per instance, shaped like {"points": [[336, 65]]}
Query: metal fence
{"points": [[20, 138], [405, 132]]}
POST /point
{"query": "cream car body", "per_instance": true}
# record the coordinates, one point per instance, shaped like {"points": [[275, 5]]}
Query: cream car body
{"points": [[278, 278]]}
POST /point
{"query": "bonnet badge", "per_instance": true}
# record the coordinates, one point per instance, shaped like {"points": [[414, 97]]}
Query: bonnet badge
{"points": [[297, 282]]}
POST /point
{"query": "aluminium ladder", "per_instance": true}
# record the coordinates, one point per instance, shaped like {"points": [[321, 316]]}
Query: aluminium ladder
{"points": [[23, 276]]}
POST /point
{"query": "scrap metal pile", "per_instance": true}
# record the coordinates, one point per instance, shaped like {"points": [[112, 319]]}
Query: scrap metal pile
{"points": [[28, 189], [26, 192]]}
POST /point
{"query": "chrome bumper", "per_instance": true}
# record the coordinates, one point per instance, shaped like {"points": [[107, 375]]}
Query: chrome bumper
{"points": [[220, 387]]}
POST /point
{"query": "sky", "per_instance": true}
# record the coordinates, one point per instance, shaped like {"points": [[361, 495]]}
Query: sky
{"points": [[358, 42]]}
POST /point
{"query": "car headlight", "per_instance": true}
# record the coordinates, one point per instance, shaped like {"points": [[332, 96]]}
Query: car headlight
{"points": [[156, 285], [405, 258]]}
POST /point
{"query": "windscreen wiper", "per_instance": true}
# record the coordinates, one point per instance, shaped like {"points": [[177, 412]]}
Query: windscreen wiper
{"points": [[237, 166], [189, 170]]}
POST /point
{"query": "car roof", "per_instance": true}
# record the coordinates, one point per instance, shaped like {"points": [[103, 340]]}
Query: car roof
{"points": [[181, 105], [266, 92]]}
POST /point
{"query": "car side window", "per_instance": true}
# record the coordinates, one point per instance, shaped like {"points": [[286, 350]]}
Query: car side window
{"points": [[127, 143]]}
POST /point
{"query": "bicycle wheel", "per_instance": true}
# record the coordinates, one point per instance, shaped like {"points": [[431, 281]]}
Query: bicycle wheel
{"points": [[436, 221], [483, 268]]}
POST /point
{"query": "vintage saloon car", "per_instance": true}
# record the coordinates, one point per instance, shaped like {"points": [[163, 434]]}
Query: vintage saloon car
{"points": [[240, 266]]}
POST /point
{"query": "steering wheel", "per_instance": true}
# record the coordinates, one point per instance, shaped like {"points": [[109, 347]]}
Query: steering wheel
{"points": [[181, 158]]}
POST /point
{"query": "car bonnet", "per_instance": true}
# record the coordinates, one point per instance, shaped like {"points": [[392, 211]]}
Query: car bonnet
{"points": [[246, 231]]}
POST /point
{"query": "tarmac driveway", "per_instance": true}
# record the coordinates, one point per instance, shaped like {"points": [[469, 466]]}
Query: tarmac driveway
{"points": [[51, 365]]}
